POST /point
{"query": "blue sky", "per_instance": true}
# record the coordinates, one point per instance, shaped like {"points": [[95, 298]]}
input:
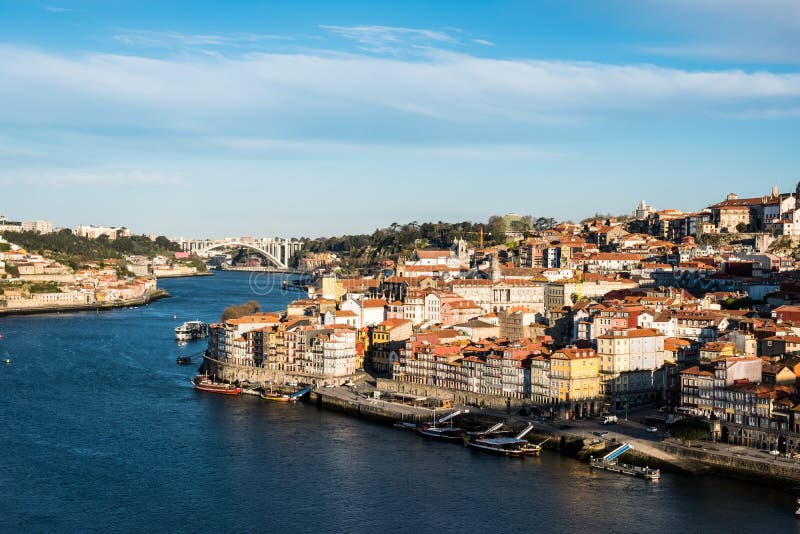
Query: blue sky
{"points": [[320, 118]]}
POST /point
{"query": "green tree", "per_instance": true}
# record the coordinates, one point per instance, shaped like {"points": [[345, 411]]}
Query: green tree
{"points": [[741, 227], [689, 429], [240, 310]]}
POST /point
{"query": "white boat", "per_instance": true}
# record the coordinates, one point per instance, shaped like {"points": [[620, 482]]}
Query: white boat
{"points": [[191, 330]]}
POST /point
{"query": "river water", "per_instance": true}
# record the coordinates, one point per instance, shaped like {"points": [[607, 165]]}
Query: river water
{"points": [[102, 431]]}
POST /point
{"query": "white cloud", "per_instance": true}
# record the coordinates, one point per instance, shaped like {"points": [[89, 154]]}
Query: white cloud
{"points": [[374, 35], [55, 9], [483, 42], [148, 38], [309, 148], [295, 93]]}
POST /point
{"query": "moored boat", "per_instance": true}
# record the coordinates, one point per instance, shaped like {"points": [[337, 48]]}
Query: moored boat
{"points": [[277, 397], [204, 383], [442, 433], [191, 330], [515, 446], [183, 360]]}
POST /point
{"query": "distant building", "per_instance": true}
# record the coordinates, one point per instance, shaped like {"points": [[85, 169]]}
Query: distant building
{"points": [[40, 226], [93, 232]]}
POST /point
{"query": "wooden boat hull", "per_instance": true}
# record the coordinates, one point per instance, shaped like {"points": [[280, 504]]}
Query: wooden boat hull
{"points": [[276, 398], [218, 390], [512, 453], [451, 437]]}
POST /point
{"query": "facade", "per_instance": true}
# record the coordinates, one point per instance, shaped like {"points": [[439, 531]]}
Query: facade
{"points": [[575, 380], [93, 232], [631, 361]]}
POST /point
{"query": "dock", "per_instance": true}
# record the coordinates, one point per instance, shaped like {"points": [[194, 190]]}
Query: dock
{"points": [[610, 462]]}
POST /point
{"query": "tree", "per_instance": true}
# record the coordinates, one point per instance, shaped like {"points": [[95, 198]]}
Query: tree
{"points": [[496, 228], [544, 223], [741, 227], [692, 428], [241, 310]]}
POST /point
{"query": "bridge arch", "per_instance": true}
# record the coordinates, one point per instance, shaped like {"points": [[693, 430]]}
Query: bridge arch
{"points": [[272, 259]]}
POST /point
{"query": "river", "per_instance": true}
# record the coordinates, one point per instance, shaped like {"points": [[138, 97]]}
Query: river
{"points": [[102, 431]]}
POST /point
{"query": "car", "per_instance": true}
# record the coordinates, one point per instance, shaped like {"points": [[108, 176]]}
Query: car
{"points": [[601, 434], [329, 386], [775, 452], [652, 429]]}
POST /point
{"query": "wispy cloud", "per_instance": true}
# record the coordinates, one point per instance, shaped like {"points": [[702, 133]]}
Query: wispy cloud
{"points": [[483, 42], [56, 9], [148, 38], [385, 39], [301, 93], [91, 179], [326, 148]]}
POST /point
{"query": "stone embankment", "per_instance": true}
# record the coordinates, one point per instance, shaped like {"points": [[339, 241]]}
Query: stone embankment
{"points": [[262, 377], [666, 455], [60, 307]]}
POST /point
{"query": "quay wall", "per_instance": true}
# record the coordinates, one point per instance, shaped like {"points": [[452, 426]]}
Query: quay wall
{"points": [[373, 410], [465, 398], [57, 307], [776, 472], [260, 376]]}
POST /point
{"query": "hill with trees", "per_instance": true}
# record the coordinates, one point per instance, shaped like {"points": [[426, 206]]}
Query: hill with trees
{"points": [[70, 249], [362, 250]]}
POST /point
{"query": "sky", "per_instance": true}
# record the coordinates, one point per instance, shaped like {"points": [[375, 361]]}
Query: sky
{"points": [[316, 118]]}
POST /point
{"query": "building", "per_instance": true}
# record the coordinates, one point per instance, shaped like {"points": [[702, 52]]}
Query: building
{"points": [[631, 361], [574, 381], [40, 226], [94, 232]]}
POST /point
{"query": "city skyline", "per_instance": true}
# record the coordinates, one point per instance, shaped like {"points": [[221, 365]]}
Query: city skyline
{"points": [[315, 119]]}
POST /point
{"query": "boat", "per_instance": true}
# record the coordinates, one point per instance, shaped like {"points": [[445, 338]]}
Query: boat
{"points": [[204, 383], [514, 446], [183, 360], [797, 512], [191, 330], [443, 433], [277, 397]]}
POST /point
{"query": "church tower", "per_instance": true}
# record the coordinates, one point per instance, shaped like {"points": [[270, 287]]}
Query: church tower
{"points": [[494, 272]]}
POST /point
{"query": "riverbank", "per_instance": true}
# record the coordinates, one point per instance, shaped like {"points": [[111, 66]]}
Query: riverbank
{"points": [[160, 275], [59, 308], [579, 440]]}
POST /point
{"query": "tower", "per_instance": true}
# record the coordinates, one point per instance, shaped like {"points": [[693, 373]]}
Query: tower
{"points": [[494, 271]]}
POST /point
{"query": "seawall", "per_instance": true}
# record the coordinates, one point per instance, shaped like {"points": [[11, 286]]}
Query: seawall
{"points": [[775, 472], [59, 308], [260, 376], [664, 455]]}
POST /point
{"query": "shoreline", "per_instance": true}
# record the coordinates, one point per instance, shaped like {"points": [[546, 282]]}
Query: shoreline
{"points": [[182, 275], [668, 456], [50, 310]]}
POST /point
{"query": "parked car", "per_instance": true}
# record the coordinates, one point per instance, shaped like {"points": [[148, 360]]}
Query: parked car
{"points": [[652, 429]]}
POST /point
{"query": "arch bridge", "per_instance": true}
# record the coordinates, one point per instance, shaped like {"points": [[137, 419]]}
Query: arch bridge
{"points": [[278, 252]]}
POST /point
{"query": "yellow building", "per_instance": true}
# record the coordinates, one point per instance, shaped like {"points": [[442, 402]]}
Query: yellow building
{"points": [[574, 377]]}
